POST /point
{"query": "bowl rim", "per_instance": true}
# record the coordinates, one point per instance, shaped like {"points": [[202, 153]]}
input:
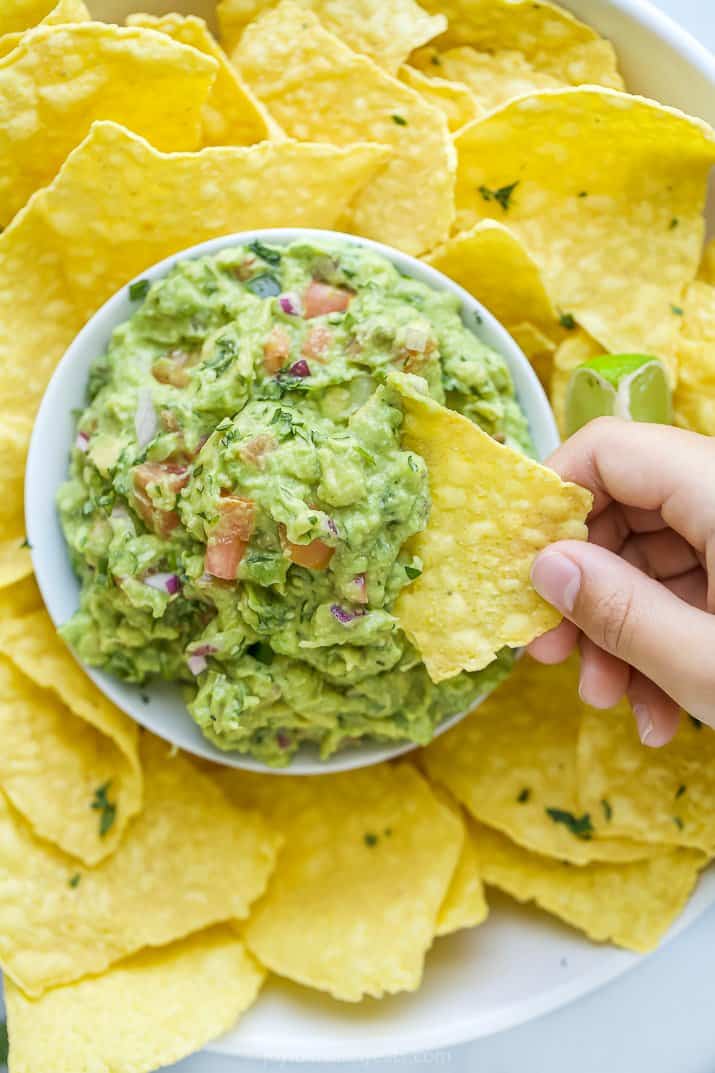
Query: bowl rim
{"points": [[47, 559]]}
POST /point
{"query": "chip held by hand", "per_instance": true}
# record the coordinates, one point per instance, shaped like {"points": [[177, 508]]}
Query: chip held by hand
{"points": [[493, 510]]}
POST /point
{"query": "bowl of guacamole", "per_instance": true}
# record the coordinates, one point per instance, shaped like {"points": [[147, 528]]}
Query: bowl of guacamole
{"points": [[233, 503]]}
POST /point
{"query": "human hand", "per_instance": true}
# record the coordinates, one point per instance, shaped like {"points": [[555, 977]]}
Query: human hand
{"points": [[639, 598]]}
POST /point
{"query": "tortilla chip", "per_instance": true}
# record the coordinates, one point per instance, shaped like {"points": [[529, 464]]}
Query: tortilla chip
{"points": [[167, 878], [491, 263], [694, 398], [591, 182], [632, 905], [138, 77], [576, 348], [515, 758], [316, 87], [148, 1011], [232, 115], [707, 265], [465, 904], [62, 741], [493, 510], [454, 99], [19, 15], [367, 861], [64, 11], [546, 37], [386, 32], [662, 795], [20, 599], [50, 260]]}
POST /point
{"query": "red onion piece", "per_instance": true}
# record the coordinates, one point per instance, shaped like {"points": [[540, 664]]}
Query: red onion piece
{"points": [[360, 586], [145, 419], [332, 526], [284, 740], [196, 664], [344, 617], [291, 304], [82, 441], [299, 368], [164, 582], [204, 650]]}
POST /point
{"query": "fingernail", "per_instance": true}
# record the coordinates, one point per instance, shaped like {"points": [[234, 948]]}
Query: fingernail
{"points": [[557, 579], [643, 721]]}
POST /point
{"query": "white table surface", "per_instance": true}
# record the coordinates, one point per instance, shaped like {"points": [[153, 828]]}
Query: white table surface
{"points": [[659, 1017]]}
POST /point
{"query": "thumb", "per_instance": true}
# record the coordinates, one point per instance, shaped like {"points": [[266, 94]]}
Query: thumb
{"points": [[634, 617]]}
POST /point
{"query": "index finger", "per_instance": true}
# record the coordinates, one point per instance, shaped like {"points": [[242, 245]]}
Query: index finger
{"points": [[650, 467]]}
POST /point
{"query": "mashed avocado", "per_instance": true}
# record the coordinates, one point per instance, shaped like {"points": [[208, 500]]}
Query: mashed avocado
{"points": [[239, 503]]}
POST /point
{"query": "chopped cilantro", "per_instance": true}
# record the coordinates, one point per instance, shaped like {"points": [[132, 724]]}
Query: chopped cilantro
{"points": [[264, 286], [73, 881], [678, 822], [412, 572], [673, 223], [272, 257], [607, 809], [370, 839], [566, 320], [434, 59], [198, 470], [4, 1045], [678, 310], [696, 722], [25, 543], [502, 195], [145, 698], [139, 289], [583, 193], [107, 810], [580, 826], [364, 454], [680, 791], [400, 120], [524, 795]]}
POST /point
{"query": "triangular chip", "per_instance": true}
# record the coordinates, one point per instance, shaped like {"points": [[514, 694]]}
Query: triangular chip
{"points": [[386, 32], [491, 263], [167, 878], [64, 11], [694, 399], [148, 1011], [513, 764], [606, 191], [50, 259], [61, 740], [232, 115], [493, 510], [410, 204], [138, 77], [632, 905], [664, 795], [367, 862], [19, 15], [453, 98], [465, 904]]}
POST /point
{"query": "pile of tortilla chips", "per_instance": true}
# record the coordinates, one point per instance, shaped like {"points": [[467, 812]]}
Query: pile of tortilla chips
{"points": [[495, 139]]}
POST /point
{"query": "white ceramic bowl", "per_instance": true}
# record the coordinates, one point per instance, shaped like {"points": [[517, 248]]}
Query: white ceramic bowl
{"points": [[163, 710]]}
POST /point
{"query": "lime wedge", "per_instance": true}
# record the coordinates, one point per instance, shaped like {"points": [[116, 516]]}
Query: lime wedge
{"points": [[632, 386]]}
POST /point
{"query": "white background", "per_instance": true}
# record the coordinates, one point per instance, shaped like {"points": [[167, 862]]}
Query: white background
{"points": [[659, 1018]]}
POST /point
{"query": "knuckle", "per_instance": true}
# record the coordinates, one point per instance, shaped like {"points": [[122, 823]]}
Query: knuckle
{"points": [[615, 622]]}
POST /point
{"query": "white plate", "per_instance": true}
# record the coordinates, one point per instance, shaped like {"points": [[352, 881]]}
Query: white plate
{"points": [[521, 963]]}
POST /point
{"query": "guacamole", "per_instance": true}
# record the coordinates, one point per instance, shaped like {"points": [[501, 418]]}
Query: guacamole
{"points": [[239, 505]]}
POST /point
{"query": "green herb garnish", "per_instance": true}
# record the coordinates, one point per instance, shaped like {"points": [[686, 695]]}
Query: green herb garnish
{"points": [[580, 826], [264, 286], [412, 572], [678, 310], [370, 839], [583, 193], [524, 795], [106, 808], [678, 822], [73, 881], [502, 196], [400, 120], [4, 1044], [696, 722], [566, 320], [25, 543], [139, 289], [272, 257], [607, 809], [680, 791], [673, 224]]}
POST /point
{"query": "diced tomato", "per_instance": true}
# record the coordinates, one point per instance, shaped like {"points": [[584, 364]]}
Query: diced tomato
{"points": [[173, 368], [276, 350], [321, 298], [314, 556], [254, 452], [229, 537], [316, 342], [172, 478]]}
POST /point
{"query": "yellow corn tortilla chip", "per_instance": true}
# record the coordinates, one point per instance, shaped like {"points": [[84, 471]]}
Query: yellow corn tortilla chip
{"points": [[318, 88], [190, 859], [662, 795], [61, 78], [64, 11], [632, 905], [367, 861], [694, 398], [707, 265], [454, 99], [591, 181], [541, 38], [493, 509], [62, 739], [148, 1011], [515, 757], [491, 263], [20, 598], [386, 32], [575, 349], [51, 261], [19, 15], [465, 904], [232, 115]]}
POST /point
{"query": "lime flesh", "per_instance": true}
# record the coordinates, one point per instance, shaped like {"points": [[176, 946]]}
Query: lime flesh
{"points": [[632, 386]]}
